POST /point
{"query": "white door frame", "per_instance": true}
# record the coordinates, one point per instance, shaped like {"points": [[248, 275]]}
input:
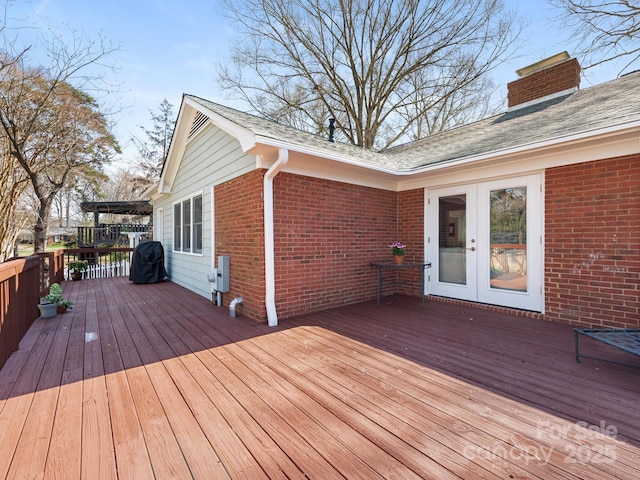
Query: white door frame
{"points": [[478, 287], [454, 256]]}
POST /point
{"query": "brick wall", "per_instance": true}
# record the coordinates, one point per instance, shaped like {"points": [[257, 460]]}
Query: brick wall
{"points": [[411, 232], [411, 223], [326, 234], [592, 266], [239, 232], [557, 78]]}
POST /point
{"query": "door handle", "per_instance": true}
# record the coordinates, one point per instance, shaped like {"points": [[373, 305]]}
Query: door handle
{"points": [[473, 249]]}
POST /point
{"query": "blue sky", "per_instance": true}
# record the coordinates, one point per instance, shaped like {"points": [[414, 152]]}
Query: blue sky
{"points": [[171, 47]]}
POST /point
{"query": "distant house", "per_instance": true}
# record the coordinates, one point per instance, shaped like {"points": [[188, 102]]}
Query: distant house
{"points": [[60, 235], [534, 209]]}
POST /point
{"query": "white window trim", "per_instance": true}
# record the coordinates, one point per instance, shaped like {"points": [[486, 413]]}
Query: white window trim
{"points": [[192, 223]]}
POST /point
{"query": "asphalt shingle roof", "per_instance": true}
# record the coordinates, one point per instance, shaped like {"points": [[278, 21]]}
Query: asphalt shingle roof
{"points": [[606, 105], [293, 136]]}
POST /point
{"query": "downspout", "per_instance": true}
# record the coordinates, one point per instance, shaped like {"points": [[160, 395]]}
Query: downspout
{"points": [[269, 244]]}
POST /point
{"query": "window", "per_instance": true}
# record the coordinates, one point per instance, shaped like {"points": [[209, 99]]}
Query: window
{"points": [[187, 227], [177, 228], [197, 224]]}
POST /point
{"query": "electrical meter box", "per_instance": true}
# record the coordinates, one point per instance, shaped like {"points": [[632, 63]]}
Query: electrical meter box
{"points": [[222, 282], [213, 279]]}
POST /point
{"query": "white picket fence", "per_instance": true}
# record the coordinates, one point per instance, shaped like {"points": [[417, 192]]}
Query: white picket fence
{"points": [[104, 270]]}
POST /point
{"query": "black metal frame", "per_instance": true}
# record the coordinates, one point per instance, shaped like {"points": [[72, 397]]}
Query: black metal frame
{"points": [[626, 339], [390, 265]]}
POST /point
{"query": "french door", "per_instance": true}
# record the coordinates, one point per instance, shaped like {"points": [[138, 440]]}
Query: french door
{"points": [[484, 242]]}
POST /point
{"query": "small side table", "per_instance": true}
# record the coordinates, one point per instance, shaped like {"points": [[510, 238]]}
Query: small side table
{"points": [[391, 265]]}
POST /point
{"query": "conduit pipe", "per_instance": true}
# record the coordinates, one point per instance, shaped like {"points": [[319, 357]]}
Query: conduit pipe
{"points": [[269, 244], [234, 303]]}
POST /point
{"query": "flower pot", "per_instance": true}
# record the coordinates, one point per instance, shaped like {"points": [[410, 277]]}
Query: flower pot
{"points": [[76, 276], [398, 259], [61, 309], [48, 310]]}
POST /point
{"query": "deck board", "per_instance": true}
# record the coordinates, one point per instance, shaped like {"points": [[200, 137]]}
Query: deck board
{"points": [[444, 407], [37, 430], [129, 442], [97, 459], [152, 381]]}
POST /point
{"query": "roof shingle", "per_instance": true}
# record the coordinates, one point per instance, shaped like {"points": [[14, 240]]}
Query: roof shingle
{"points": [[606, 105]]}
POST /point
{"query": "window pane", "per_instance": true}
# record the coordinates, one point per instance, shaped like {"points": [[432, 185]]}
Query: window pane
{"points": [[452, 256], [197, 224], [186, 225], [177, 228], [508, 269]]}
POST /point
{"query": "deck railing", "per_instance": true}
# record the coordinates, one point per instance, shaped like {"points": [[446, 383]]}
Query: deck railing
{"points": [[20, 282], [24, 281], [108, 234]]}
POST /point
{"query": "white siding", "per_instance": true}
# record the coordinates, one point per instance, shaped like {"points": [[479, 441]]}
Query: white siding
{"points": [[211, 158]]}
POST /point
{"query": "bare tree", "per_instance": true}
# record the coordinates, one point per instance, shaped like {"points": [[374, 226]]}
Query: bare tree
{"points": [[53, 129], [14, 183], [85, 185], [604, 31], [123, 185], [379, 67]]}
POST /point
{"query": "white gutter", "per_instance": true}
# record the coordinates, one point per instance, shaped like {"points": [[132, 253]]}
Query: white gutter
{"points": [[269, 245]]}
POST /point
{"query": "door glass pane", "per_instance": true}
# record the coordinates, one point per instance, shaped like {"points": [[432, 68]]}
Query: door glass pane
{"points": [[508, 242], [452, 262]]}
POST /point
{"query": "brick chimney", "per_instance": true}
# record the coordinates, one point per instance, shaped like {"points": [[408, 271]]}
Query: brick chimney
{"points": [[553, 76]]}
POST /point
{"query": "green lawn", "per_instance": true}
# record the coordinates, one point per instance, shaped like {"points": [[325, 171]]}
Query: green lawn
{"points": [[26, 249]]}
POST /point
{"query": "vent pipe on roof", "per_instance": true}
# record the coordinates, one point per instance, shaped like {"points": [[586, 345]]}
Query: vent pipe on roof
{"points": [[332, 128]]}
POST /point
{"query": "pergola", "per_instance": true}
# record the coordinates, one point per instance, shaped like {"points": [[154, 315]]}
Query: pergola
{"points": [[137, 208], [102, 234]]}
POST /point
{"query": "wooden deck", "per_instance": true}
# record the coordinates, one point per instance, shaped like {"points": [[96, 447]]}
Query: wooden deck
{"points": [[152, 381]]}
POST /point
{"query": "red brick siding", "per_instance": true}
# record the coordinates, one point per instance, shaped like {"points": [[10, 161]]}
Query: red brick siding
{"points": [[554, 79], [326, 233], [411, 223], [592, 253], [411, 232], [239, 232]]}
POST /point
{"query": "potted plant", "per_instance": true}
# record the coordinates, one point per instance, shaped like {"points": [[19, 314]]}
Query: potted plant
{"points": [[47, 309], [77, 268], [53, 302], [397, 249], [63, 306]]}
